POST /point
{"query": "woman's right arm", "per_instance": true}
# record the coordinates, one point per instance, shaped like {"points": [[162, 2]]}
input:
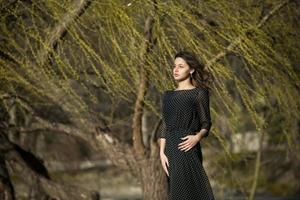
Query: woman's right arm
{"points": [[163, 158], [162, 145]]}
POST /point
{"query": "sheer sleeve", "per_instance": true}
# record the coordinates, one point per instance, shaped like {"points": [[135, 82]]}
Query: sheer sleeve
{"points": [[162, 127], [204, 110]]}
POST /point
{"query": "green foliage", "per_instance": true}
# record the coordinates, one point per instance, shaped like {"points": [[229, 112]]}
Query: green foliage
{"points": [[105, 48]]}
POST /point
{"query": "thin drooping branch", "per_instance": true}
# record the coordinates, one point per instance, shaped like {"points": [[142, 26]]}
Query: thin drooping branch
{"points": [[55, 126], [272, 12], [257, 166], [44, 123], [237, 41], [75, 10]]}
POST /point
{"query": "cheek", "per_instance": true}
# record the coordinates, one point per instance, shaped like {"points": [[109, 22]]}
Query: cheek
{"points": [[181, 71], [184, 71]]}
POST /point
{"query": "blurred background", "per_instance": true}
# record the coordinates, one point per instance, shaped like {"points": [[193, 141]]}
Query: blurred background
{"points": [[81, 83]]}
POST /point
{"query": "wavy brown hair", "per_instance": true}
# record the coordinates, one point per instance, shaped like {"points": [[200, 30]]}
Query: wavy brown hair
{"points": [[201, 77]]}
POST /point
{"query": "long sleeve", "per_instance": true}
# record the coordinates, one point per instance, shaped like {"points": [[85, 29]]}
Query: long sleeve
{"points": [[162, 129], [204, 109]]}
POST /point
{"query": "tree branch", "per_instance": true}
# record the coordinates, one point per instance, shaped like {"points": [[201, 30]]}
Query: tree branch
{"points": [[120, 153], [76, 9], [234, 43], [139, 147], [59, 191], [27, 166]]}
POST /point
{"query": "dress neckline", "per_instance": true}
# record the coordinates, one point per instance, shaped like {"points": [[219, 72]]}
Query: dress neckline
{"points": [[181, 90]]}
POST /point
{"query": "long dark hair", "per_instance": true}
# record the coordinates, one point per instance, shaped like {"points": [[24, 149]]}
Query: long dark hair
{"points": [[201, 77]]}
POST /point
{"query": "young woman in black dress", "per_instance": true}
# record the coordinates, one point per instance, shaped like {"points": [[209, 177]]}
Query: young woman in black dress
{"points": [[186, 121]]}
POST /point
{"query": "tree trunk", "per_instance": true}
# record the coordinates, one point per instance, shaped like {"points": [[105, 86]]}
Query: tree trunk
{"points": [[154, 181], [6, 188]]}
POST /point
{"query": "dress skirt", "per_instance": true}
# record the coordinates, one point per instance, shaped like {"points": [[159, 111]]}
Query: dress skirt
{"points": [[187, 179]]}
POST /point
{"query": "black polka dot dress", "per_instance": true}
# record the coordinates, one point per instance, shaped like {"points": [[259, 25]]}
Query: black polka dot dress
{"points": [[185, 112]]}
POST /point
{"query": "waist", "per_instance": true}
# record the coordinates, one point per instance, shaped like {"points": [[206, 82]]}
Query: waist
{"points": [[181, 129]]}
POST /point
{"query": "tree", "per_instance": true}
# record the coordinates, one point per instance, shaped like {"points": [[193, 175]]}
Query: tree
{"points": [[75, 55]]}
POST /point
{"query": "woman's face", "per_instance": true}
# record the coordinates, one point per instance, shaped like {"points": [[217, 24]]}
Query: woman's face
{"points": [[181, 69]]}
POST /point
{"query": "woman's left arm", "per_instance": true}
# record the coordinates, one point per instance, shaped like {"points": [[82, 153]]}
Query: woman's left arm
{"points": [[203, 107]]}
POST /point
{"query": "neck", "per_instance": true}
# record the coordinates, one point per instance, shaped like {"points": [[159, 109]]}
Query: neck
{"points": [[185, 84]]}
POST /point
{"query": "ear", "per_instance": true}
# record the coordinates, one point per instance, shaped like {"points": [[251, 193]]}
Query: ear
{"points": [[192, 71]]}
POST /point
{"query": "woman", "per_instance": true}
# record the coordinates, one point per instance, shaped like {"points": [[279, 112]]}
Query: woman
{"points": [[185, 122]]}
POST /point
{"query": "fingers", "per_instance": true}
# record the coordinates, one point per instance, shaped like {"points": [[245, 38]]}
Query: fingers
{"points": [[184, 137], [187, 141], [184, 146], [183, 143], [167, 162], [187, 149], [166, 170], [188, 144]]}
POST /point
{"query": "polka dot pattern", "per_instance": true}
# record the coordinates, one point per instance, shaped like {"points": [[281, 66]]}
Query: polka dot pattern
{"points": [[185, 112]]}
